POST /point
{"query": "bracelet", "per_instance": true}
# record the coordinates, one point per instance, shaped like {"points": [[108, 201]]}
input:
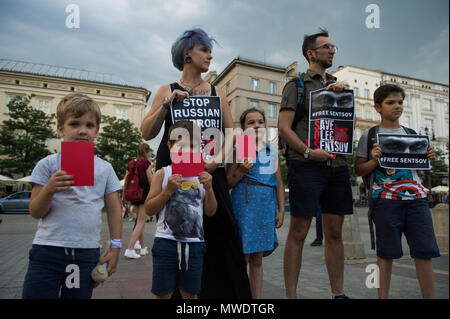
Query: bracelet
{"points": [[116, 243]]}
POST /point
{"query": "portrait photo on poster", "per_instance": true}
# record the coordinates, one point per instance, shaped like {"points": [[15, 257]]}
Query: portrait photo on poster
{"points": [[404, 151], [331, 120]]}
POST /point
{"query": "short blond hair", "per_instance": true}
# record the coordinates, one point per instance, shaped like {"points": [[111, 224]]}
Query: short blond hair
{"points": [[76, 105]]}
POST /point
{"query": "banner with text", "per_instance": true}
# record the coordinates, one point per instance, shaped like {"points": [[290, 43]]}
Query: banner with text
{"points": [[206, 112], [331, 120], [404, 151]]}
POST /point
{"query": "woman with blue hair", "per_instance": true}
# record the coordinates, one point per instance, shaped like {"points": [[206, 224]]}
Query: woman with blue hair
{"points": [[224, 269]]}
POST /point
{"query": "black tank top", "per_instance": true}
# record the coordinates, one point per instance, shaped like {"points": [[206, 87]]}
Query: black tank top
{"points": [[163, 153]]}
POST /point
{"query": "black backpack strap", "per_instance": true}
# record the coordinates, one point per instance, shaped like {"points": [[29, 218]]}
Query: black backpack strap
{"points": [[409, 130], [300, 109], [368, 181]]}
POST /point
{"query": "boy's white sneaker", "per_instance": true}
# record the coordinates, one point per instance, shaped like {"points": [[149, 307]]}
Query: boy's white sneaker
{"points": [[144, 251], [137, 245], [131, 254]]}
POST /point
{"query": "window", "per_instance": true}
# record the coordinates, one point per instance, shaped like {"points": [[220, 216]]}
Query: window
{"points": [[406, 120], [405, 101], [254, 104], [122, 113], [366, 93], [227, 88], [255, 85], [429, 124], [272, 88], [271, 111], [368, 115], [357, 113], [356, 91], [426, 105], [43, 105]]}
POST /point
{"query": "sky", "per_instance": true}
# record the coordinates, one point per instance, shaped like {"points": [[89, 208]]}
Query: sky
{"points": [[132, 38]]}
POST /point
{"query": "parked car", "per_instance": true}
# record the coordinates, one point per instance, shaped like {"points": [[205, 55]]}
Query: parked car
{"points": [[16, 202]]}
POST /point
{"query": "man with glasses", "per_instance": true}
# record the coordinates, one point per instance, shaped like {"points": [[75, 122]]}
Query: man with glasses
{"points": [[317, 179]]}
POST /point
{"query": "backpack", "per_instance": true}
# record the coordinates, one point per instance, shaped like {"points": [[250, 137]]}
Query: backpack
{"points": [[133, 191], [299, 111], [369, 178]]}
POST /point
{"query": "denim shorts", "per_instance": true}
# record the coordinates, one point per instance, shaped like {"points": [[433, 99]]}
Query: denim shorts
{"points": [[58, 272], [171, 268], [313, 187], [411, 217]]}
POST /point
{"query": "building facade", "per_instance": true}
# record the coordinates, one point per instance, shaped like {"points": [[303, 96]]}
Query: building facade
{"points": [[247, 84], [426, 104], [50, 84]]}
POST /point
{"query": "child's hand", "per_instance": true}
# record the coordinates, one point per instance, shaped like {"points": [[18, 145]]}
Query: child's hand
{"points": [[59, 182], [245, 166], [173, 183], [430, 154], [376, 152], [111, 258], [279, 219], [206, 179]]}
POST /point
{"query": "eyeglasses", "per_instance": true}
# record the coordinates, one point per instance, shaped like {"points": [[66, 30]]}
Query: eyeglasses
{"points": [[329, 47]]}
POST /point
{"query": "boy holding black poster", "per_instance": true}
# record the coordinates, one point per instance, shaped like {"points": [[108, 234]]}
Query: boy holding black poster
{"points": [[398, 203]]}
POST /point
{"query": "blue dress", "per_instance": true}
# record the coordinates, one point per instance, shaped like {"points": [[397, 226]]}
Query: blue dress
{"points": [[255, 206]]}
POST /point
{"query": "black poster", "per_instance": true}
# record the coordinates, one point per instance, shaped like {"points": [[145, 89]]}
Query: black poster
{"points": [[331, 120], [206, 112], [404, 151]]}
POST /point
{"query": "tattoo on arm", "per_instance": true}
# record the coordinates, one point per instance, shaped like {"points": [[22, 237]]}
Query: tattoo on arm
{"points": [[158, 122]]}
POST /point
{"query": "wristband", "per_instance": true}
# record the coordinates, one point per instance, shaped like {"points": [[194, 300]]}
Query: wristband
{"points": [[116, 243]]}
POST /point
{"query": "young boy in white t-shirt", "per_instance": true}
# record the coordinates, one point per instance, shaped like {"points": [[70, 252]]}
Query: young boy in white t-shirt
{"points": [[66, 245]]}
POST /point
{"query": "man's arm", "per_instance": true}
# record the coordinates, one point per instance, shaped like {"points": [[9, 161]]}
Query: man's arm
{"points": [[285, 121]]}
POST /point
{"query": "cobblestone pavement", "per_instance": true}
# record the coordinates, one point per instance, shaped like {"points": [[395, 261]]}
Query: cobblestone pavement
{"points": [[133, 277]]}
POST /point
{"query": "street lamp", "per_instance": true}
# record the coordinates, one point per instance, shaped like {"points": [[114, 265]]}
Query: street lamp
{"points": [[428, 173]]}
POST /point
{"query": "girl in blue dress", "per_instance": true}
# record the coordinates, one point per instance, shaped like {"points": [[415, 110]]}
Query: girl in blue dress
{"points": [[257, 198]]}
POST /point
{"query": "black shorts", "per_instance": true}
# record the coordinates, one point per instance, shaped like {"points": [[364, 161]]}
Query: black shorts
{"points": [[313, 187]]}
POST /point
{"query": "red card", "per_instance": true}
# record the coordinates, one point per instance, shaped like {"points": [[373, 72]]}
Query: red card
{"points": [[187, 164], [77, 159], [246, 147]]}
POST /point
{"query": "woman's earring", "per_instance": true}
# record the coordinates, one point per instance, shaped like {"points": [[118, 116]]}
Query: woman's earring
{"points": [[188, 60]]}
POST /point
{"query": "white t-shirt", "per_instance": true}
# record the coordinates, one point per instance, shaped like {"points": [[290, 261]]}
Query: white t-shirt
{"points": [[74, 220], [181, 219]]}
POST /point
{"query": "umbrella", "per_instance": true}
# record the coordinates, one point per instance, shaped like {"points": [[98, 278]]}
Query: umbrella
{"points": [[440, 189], [25, 179], [6, 180]]}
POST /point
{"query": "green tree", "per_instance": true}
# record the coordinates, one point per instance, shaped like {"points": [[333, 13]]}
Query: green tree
{"points": [[118, 143], [438, 169], [23, 137]]}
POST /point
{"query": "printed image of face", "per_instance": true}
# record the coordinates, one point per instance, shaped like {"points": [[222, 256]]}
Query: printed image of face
{"points": [[403, 144], [332, 99]]}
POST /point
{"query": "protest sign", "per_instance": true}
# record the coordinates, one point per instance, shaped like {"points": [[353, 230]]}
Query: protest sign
{"points": [[404, 151], [77, 159], [206, 112], [331, 120], [246, 147]]}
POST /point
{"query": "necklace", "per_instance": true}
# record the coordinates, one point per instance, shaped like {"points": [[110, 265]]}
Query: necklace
{"points": [[192, 87]]}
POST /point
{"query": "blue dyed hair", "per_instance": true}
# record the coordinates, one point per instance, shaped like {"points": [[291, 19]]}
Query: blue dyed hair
{"points": [[186, 42]]}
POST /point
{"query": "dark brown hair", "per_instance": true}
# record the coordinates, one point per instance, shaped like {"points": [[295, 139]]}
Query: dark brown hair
{"points": [[309, 41], [383, 92], [248, 111]]}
